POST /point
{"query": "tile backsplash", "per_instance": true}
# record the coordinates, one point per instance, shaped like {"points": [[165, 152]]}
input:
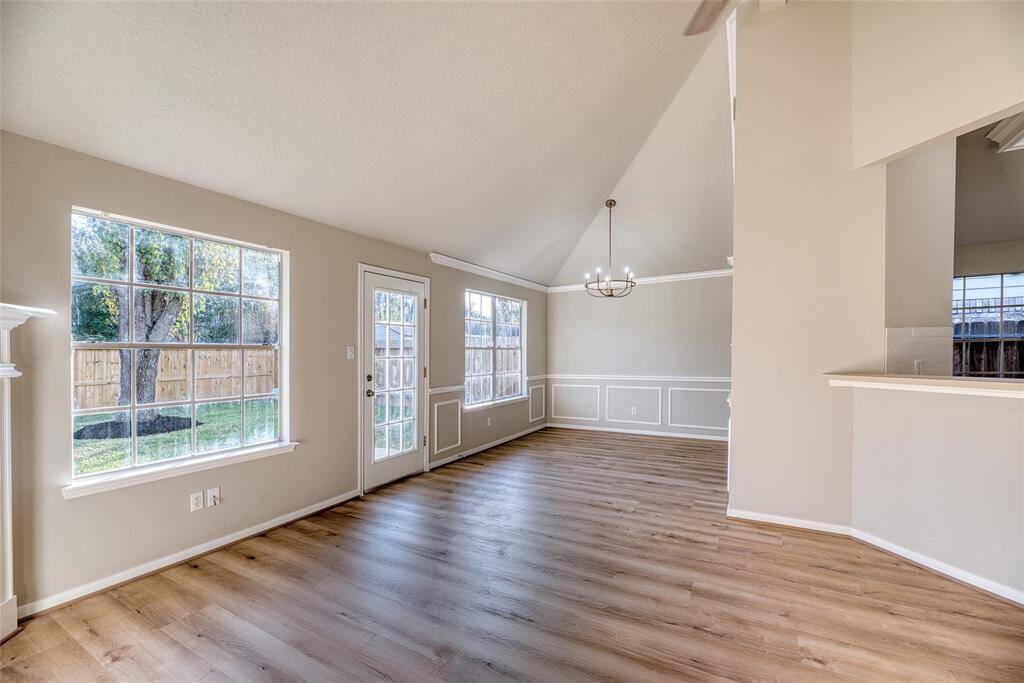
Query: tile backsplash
{"points": [[919, 350]]}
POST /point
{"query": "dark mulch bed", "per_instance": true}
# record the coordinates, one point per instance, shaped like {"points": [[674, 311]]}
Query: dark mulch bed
{"points": [[115, 429]]}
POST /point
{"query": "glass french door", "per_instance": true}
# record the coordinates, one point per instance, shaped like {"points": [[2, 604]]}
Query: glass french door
{"points": [[393, 394]]}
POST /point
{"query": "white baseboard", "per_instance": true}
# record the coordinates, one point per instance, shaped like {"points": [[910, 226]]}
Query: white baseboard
{"points": [[644, 432], [987, 585], [941, 567], [8, 616], [477, 449], [175, 558], [788, 521]]}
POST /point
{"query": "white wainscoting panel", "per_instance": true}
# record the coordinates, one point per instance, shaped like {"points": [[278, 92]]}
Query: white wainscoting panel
{"points": [[620, 400], [572, 402], [457, 418], [539, 390], [698, 407], [694, 407]]}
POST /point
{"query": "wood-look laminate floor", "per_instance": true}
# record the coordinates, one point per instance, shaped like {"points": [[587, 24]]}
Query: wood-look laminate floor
{"points": [[561, 556]]}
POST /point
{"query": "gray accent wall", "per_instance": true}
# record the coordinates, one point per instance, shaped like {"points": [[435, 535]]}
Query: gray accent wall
{"points": [[655, 361]]}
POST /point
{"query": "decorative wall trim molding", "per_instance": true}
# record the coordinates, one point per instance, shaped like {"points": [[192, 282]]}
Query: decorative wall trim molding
{"points": [[459, 264], [644, 432], [639, 378], [930, 563], [459, 412], [476, 449], [177, 558], [607, 399], [654, 280], [543, 402], [670, 423], [446, 390], [554, 403]]}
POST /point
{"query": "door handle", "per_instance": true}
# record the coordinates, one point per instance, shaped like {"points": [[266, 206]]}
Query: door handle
{"points": [[369, 392]]}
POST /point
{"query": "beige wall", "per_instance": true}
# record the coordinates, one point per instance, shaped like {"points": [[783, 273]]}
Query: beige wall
{"points": [[809, 242], [942, 476], [651, 351], [922, 69], [919, 214], [986, 259], [822, 89], [61, 544]]}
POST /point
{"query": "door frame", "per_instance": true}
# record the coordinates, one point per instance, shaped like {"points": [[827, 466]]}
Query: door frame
{"points": [[379, 270]]}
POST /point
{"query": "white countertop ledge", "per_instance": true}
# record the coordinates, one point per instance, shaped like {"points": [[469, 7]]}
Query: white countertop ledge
{"points": [[99, 483], [932, 384]]}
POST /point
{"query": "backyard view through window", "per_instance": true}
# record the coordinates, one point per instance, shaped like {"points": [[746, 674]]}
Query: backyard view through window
{"points": [[494, 348], [988, 325], [175, 343]]}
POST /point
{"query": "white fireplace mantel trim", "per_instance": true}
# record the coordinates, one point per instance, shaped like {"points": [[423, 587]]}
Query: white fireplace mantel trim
{"points": [[10, 317]]}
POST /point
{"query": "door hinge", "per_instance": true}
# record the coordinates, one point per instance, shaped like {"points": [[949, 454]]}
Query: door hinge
{"points": [[424, 439], [424, 302], [424, 372]]}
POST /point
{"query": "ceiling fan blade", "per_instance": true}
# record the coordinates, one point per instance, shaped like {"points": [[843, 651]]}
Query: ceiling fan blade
{"points": [[705, 16]]}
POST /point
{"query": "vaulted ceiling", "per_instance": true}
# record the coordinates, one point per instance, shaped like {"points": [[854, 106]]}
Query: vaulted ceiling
{"points": [[492, 132]]}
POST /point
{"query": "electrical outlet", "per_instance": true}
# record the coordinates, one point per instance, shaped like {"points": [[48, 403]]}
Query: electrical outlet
{"points": [[213, 496], [196, 501], [488, 422], [633, 411]]}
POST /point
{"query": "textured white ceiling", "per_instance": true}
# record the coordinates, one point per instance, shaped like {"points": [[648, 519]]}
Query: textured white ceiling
{"points": [[674, 212], [491, 132]]}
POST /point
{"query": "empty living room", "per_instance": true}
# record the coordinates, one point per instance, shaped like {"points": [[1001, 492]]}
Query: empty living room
{"points": [[542, 341]]}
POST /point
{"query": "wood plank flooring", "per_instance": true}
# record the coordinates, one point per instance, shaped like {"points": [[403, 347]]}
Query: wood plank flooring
{"points": [[561, 556]]}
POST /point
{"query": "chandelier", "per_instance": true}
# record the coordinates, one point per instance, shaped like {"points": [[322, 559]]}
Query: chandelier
{"points": [[604, 284]]}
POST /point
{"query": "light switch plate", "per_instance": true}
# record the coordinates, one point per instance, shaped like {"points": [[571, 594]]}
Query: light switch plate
{"points": [[350, 352], [196, 501], [212, 496]]}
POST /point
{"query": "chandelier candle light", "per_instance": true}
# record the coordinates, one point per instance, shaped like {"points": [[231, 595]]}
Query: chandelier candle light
{"points": [[604, 285]]}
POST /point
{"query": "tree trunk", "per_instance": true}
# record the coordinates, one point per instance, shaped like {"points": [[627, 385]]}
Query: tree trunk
{"points": [[155, 314], [126, 356], [148, 362]]}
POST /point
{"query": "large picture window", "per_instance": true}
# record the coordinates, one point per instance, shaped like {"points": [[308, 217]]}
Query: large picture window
{"points": [[494, 348], [988, 325], [176, 344]]}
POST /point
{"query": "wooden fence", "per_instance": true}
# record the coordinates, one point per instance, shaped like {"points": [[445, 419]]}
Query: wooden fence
{"points": [[97, 374]]}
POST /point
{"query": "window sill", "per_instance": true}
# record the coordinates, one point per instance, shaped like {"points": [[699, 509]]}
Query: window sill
{"points": [[494, 404], [118, 480]]}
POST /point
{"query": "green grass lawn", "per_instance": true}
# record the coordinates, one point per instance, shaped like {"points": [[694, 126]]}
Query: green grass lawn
{"points": [[219, 428]]}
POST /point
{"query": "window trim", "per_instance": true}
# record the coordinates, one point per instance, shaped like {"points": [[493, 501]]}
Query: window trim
{"points": [[176, 467], [136, 474], [524, 391]]}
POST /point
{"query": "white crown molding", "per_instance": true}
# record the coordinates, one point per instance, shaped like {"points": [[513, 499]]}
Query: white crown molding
{"points": [[459, 264], [655, 279]]}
